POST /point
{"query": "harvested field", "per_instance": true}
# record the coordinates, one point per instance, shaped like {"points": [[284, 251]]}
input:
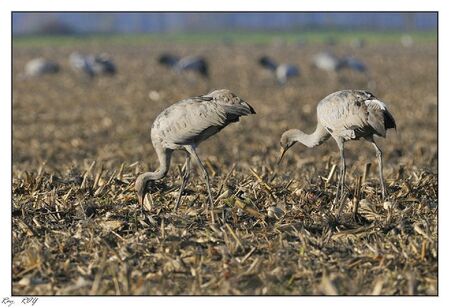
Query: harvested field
{"points": [[78, 145]]}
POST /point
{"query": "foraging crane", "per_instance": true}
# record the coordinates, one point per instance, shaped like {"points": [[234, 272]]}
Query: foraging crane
{"points": [[194, 63], [282, 71], [326, 61], [346, 115], [103, 64], [352, 64], [92, 65], [40, 66], [329, 62], [183, 126]]}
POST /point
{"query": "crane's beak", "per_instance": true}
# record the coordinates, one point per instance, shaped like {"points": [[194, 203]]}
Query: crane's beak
{"points": [[141, 190], [141, 198], [282, 152]]}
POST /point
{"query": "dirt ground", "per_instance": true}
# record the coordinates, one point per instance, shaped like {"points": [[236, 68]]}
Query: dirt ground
{"points": [[78, 145]]}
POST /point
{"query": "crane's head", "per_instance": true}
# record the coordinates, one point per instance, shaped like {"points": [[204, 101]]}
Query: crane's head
{"points": [[287, 141], [141, 188]]}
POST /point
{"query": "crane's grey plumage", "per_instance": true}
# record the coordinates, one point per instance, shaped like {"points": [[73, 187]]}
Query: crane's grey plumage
{"points": [[103, 64], [191, 63], [183, 126], [346, 115], [92, 65], [329, 62], [352, 64], [326, 61], [40, 66], [282, 71]]}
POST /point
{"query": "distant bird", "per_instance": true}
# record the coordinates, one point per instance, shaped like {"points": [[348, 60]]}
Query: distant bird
{"points": [[183, 126], [352, 64], [40, 66], [92, 65], [191, 63], [346, 115], [326, 61], [103, 65], [358, 43], [407, 40], [329, 62], [282, 72]]}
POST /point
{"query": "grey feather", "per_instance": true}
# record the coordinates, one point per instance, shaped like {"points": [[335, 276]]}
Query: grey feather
{"points": [[355, 110], [195, 119], [40, 66]]}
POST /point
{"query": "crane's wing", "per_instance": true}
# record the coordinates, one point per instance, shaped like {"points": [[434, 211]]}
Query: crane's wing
{"points": [[344, 112], [195, 119]]}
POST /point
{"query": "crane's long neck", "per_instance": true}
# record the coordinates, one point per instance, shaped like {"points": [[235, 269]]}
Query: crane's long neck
{"points": [[311, 140], [164, 156]]}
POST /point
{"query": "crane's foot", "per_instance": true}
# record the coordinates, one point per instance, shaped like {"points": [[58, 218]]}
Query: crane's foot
{"points": [[211, 214], [339, 205], [336, 202], [383, 195]]}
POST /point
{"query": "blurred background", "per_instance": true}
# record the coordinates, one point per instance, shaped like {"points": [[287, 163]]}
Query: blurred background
{"points": [[76, 23]]}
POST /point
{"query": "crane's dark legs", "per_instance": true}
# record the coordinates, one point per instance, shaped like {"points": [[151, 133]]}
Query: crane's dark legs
{"points": [[341, 181], [194, 155], [186, 174], [380, 167]]}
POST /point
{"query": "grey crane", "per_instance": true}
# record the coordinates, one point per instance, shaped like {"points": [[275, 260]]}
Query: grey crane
{"points": [[92, 65], [281, 71], [352, 64], [346, 115], [183, 126], [40, 66], [191, 63], [326, 61], [329, 62]]}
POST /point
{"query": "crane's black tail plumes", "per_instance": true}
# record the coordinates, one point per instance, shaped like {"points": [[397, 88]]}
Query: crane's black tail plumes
{"points": [[389, 121], [244, 108], [268, 63], [203, 68], [168, 59], [234, 111], [250, 108]]}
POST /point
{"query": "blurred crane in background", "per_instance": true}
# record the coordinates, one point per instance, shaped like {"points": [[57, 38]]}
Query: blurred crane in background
{"points": [[191, 63], [92, 65], [282, 72], [40, 66]]}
